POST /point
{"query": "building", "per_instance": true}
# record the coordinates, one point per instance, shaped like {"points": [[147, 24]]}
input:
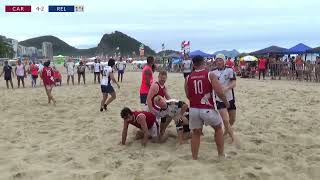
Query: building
{"points": [[47, 50], [22, 51]]}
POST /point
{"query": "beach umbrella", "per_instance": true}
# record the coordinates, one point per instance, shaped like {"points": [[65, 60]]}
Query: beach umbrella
{"points": [[248, 58]]}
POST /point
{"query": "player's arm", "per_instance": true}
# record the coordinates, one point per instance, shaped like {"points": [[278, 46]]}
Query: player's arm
{"points": [[232, 83], [15, 71], [141, 119], [124, 132], [113, 79], [152, 92], [148, 77], [218, 88]]}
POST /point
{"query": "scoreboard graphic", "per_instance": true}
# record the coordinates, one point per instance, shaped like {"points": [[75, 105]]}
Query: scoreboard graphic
{"points": [[40, 8]]}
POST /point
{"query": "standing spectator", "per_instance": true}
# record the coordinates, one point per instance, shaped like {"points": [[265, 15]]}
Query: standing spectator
{"points": [[187, 67], [229, 63], [7, 71], [34, 71], [70, 70], [121, 66], [81, 70], [262, 65], [20, 71], [97, 70]]}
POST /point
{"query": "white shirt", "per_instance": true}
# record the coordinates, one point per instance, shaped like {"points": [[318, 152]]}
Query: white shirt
{"points": [[173, 108], [40, 67], [187, 66], [106, 75], [225, 76], [121, 65], [97, 67], [70, 68]]}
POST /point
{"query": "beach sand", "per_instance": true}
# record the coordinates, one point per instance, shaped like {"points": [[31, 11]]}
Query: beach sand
{"points": [[278, 124]]}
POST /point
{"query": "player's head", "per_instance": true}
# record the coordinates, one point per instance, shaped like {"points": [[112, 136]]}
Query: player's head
{"points": [[126, 114], [95, 60], [46, 64], [150, 60], [121, 58], [111, 62], [197, 61], [19, 61], [5, 62], [160, 101], [220, 58], [162, 77]]}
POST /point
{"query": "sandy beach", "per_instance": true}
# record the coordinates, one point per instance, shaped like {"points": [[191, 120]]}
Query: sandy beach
{"points": [[278, 124]]}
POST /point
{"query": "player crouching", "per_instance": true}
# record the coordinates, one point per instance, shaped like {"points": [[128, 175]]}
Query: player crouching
{"points": [[145, 121]]}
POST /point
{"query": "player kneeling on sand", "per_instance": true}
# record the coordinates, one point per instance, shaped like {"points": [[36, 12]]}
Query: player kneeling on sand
{"points": [[145, 121], [176, 110]]}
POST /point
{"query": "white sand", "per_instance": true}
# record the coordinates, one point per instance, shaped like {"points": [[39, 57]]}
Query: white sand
{"points": [[278, 123]]}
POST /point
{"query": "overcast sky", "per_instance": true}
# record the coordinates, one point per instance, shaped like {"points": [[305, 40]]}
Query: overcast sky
{"points": [[210, 25]]}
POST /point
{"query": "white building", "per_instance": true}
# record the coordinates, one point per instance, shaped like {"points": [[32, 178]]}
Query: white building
{"points": [[31, 51], [22, 50], [47, 50]]}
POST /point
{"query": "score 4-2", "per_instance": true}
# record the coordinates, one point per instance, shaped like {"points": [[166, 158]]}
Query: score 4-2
{"points": [[40, 8]]}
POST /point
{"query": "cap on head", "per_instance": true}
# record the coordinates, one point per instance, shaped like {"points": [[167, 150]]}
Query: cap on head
{"points": [[220, 56]]}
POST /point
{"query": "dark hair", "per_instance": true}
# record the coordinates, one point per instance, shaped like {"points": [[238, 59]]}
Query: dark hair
{"points": [[125, 112], [6, 62], [111, 62], [163, 73], [197, 60], [46, 64], [150, 59]]}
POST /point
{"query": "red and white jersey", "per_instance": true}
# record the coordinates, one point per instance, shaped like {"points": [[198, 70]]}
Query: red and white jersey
{"points": [[161, 92], [200, 90], [47, 76], [150, 119]]}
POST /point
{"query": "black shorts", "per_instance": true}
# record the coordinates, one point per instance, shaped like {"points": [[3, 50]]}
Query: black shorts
{"points": [[107, 89], [97, 73], [221, 105], [184, 127], [20, 78], [34, 76], [7, 78], [143, 98], [185, 75], [120, 71]]}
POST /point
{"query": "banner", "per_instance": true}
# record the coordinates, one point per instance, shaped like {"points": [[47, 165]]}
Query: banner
{"points": [[185, 47]]}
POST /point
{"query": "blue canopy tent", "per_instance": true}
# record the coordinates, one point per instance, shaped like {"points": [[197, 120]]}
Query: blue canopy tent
{"points": [[269, 50], [314, 50], [298, 49], [199, 53]]}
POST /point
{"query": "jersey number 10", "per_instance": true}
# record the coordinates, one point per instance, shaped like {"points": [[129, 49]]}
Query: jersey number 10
{"points": [[198, 86]]}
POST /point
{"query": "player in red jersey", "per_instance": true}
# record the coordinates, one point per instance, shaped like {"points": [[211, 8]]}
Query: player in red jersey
{"points": [[158, 88], [48, 81], [145, 121], [200, 87]]}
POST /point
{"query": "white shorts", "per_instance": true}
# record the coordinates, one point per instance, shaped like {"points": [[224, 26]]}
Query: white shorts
{"points": [[70, 73], [199, 117], [153, 132]]}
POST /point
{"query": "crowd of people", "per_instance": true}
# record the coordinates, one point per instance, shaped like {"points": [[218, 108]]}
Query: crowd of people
{"points": [[293, 68]]}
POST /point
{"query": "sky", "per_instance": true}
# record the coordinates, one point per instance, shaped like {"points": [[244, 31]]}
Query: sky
{"points": [[210, 25]]}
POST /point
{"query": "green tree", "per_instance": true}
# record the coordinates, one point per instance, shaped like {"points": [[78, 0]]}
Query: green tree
{"points": [[5, 49]]}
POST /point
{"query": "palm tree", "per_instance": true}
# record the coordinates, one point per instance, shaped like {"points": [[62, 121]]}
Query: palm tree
{"points": [[5, 49]]}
